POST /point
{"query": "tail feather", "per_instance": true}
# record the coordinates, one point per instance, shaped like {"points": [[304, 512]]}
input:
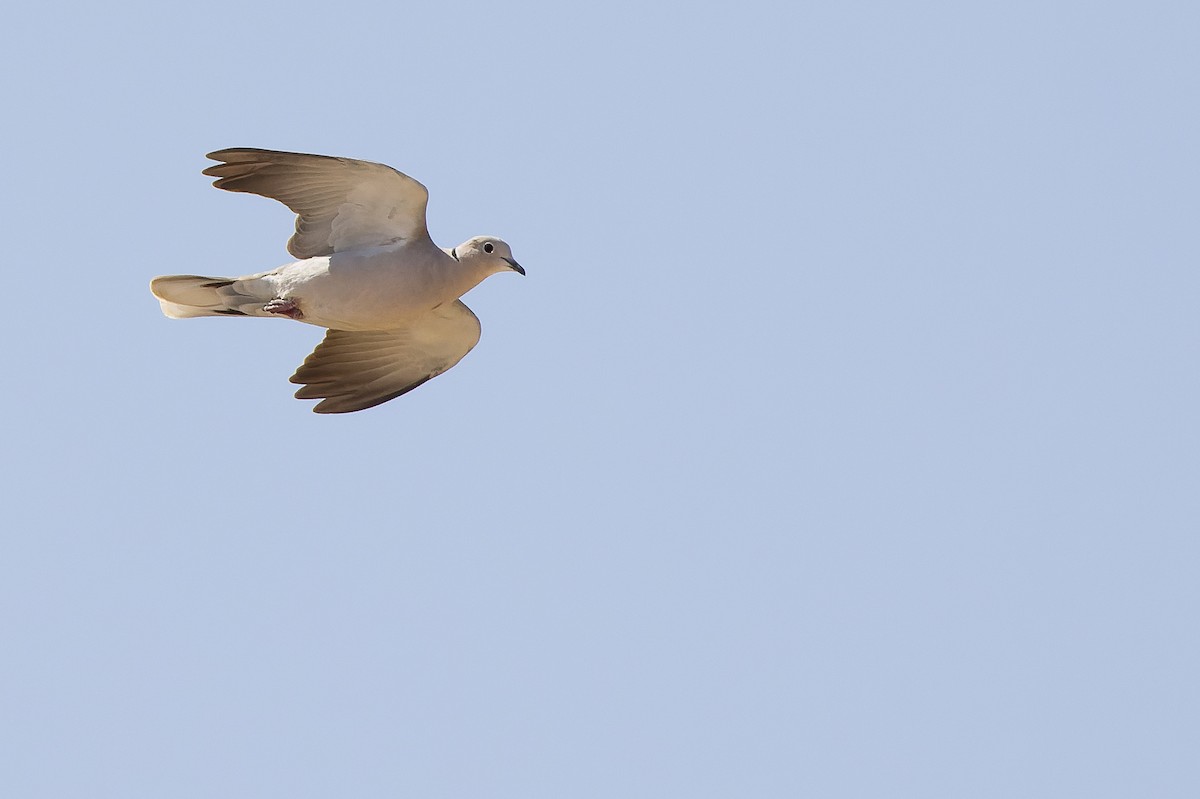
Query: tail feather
{"points": [[187, 296]]}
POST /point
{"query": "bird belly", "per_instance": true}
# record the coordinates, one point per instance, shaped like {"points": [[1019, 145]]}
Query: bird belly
{"points": [[359, 293]]}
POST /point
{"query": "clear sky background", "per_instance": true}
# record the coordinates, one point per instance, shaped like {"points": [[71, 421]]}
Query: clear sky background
{"points": [[842, 440]]}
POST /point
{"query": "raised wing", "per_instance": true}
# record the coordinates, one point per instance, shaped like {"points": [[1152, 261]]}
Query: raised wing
{"points": [[354, 370], [341, 204]]}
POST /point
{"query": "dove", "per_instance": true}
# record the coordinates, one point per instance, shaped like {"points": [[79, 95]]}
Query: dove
{"points": [[366, 270]]}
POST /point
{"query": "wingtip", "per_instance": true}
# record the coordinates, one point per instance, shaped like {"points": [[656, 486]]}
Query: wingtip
{"points": [[227, 157], [224, 153]]}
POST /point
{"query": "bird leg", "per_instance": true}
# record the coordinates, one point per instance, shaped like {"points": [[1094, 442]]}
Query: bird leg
{"points": [[287, 308]]}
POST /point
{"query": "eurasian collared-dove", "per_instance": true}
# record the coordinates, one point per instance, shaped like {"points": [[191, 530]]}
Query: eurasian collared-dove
{"points": [[367, 270]]}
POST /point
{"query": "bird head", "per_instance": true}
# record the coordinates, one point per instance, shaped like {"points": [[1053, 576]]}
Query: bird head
{"points": [[488, 253]]}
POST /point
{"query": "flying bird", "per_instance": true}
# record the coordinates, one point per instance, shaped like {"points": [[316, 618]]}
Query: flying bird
{"points": [[366, 269]]}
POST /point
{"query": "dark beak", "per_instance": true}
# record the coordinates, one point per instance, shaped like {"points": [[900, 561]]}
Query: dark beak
{"points": [[516, 266]]}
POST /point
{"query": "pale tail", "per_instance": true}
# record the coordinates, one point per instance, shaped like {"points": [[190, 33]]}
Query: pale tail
{"points": [[185, 296]]}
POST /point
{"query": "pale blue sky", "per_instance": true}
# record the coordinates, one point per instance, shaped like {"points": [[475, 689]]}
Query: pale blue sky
{"points": [[842, 440]]}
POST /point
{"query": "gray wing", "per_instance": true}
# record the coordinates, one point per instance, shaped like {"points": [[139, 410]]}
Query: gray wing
{"points": [[341, 204], [354, 370]]}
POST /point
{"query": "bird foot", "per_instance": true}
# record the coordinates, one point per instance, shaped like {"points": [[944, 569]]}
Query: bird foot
{"points": [[286, 308]]}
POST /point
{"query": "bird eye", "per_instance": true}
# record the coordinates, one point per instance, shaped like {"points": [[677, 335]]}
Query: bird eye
{"points": [[487, 247]]}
